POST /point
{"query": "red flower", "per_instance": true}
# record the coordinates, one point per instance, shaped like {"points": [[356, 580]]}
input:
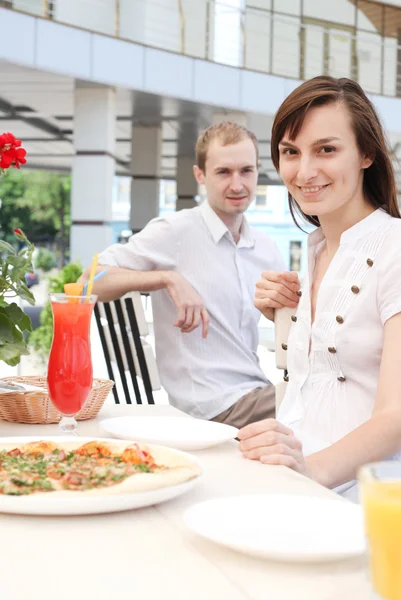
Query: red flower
{"points": [[18, 231], [11, 154], [8, 138]]}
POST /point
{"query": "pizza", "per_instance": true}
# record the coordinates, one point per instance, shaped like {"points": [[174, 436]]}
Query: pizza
{"points": [[98, 467]]}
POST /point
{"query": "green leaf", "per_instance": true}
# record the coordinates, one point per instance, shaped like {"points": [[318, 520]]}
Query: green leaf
{"points": [[12, 343], [13, 361], [4, 285], [7, 247], [6, 328], [11, 353], [18, 262], [17, 315], [25, 294]]}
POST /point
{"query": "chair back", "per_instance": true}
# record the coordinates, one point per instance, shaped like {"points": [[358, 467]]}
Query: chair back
{"points": [[122, 329]]}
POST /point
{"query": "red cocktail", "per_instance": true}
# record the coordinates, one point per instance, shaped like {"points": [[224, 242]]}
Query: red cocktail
{"points": [[69, 375]]}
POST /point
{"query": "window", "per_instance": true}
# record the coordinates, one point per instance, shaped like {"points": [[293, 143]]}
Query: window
{"points": [[260, 200]]}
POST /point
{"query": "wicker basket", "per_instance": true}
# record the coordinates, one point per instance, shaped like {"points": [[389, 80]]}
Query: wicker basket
{"points": [[36, 407]]}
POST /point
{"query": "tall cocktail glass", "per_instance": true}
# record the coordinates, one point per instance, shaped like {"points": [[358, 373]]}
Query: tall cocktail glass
{"points": [[70, 373]]}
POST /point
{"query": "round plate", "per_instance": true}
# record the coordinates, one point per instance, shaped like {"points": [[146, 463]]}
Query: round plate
{"points": [[282, 527], [46, 505], [175, 432]]}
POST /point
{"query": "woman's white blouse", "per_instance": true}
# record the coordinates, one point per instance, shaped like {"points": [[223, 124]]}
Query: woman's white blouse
{"points": [[332, 387]]}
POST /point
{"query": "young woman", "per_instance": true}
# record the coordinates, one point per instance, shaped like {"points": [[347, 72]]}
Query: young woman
{"points": [[342, 406]]}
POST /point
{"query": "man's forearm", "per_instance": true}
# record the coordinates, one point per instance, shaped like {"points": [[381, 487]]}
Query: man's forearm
{"points": [[118, 282], [375, 440]]}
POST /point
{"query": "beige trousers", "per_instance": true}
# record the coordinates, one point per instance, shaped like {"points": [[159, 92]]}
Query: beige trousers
{"points": [[255, 406]]}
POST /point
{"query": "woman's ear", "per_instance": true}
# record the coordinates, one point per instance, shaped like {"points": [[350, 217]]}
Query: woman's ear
{"points": [[367, 162]]}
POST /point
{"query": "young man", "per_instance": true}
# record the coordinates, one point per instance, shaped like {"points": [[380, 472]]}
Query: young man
{"points": [[201, 266]]}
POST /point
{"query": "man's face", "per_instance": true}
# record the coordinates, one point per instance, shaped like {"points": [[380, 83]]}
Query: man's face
{"points": [[230, 176]]}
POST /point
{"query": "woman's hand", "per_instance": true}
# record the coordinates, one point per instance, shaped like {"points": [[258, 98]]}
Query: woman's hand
{"points": [[273, 444], [276, 290]]}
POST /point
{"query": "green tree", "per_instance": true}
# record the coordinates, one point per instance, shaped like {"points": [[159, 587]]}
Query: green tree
{"points": [[13, 214], [39, 203]]}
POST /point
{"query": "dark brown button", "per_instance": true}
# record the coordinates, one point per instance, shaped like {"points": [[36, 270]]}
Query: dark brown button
{"points": [[299, 293], [284, 346], [286, 378], [342, 378], [339, 319], [370, 262], [355, 289], [332, 350], [293, 318]]}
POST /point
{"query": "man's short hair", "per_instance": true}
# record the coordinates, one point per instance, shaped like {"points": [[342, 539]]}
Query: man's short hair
{"points": [[227, 132]]}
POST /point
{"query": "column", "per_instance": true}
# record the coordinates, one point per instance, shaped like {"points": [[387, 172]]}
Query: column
{"points": [[187, 187], [398, 65], [146, 168], [235, 116], [92, 171]]}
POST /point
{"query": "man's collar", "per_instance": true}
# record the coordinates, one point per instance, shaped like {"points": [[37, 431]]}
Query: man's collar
{"points": [[218, 229]]}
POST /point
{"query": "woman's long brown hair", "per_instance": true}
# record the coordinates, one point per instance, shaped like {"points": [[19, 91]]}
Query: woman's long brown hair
{"points": [[378, 180]]}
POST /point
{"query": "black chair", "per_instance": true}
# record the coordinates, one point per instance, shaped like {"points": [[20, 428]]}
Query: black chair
{"points": [[122, 327]]}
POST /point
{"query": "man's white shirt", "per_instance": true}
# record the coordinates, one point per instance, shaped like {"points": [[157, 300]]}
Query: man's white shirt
{"points": [[204, 377]]}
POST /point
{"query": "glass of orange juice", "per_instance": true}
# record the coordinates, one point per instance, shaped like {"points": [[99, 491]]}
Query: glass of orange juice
{"points": [[381, 498]]}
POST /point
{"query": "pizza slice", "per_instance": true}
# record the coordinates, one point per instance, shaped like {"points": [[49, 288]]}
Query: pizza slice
{"points": [[97, 467]]}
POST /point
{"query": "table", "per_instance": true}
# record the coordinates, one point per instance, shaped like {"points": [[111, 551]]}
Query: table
{"points": [[149, 554]]}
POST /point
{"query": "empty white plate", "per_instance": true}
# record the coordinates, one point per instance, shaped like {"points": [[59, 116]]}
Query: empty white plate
{"points": [[282, 527], [176, 432]]}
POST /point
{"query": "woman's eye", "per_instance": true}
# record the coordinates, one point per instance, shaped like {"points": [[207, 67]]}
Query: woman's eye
{"points": [[289, 151], [327, 149]]}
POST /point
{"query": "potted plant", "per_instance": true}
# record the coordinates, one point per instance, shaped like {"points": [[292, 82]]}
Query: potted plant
{"points": [[13, 266]]}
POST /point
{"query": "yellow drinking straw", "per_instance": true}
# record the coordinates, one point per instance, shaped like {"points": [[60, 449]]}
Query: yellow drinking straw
{"points": [[91, 276]]}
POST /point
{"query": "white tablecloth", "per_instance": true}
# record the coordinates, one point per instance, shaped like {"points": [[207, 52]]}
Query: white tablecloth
{"points": [[149, 554]]}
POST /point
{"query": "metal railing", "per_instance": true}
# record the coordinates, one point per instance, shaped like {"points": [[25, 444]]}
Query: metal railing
{"points": [[251, 38]]}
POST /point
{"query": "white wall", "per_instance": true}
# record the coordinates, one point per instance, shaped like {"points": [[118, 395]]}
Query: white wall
{"points": [[338, 11], [49, 46], [369, 62], [151, 22], [258, 39], [198, 33], [84, 13], [286, 46], [32, 6]]}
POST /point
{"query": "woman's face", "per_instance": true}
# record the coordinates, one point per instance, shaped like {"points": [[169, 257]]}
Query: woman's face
{"points": [[323, 168]]}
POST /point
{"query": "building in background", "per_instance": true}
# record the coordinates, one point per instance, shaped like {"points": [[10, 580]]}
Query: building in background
{"points": [[117, 91]]}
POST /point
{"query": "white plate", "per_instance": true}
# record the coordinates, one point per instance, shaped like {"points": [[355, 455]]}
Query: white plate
{"points": [[282, 527], [46, 505], [175, 432]]}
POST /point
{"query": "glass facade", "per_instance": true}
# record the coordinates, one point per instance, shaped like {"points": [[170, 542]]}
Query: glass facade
{"points": [[293, 38], [360, 39]]}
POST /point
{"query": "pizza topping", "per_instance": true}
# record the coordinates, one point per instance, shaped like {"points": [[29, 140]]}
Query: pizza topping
{"points": [[93, 465]]}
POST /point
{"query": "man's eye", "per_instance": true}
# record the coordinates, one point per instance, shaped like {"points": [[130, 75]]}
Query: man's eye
{"points": [[222, 172]]}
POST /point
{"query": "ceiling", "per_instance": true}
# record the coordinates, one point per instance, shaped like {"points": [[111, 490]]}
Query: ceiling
{"points": [[37, 107]]}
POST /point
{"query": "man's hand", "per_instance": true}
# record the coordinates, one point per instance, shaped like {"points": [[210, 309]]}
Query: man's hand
{"points": [[276, 290], [190, 306], [273, 444]]}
